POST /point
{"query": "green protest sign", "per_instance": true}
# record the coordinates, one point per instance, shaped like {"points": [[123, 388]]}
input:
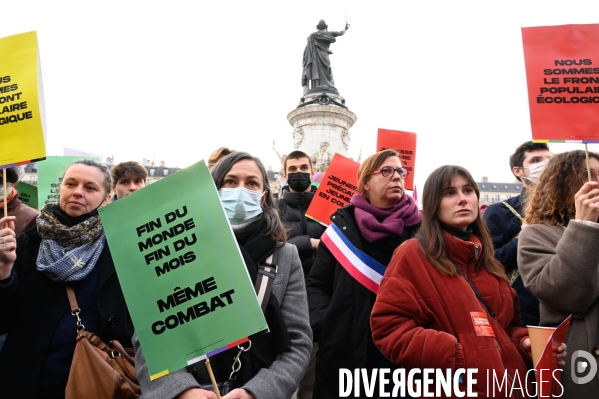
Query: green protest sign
{"points": [[49, 175], [181, 271], [27, 194]]}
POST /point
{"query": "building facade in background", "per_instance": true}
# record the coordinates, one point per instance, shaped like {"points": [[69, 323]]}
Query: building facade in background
{"points": [[491, 192], [155, 172]]}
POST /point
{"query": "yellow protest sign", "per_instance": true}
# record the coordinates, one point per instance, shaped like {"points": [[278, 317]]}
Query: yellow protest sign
{"points": [[21, 99]]}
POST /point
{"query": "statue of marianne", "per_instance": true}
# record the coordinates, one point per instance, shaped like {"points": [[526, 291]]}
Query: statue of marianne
{"points": [[317, 74]]}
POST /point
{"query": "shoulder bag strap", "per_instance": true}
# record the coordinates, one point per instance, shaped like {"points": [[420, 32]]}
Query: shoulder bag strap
{"points": [[72, 299], [515, 273], [515, 212], [74, 307], [266, 277]]}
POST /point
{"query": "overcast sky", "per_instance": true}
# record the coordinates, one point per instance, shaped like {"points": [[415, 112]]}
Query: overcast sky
{"points": [[172, 81]]}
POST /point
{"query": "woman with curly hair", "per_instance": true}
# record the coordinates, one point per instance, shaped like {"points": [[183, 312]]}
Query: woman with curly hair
{"points": [[557, 255]]}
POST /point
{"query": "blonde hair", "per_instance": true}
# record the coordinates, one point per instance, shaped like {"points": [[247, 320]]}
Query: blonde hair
{"points": [[217, 155]]}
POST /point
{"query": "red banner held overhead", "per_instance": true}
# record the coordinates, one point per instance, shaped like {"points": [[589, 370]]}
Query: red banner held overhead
{"points": [[338, 184], [562, 72], [405, 145]]}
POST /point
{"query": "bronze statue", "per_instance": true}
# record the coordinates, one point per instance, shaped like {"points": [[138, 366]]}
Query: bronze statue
{"points": [[317, 75]]}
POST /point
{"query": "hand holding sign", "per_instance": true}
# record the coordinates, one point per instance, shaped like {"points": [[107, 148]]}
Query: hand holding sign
{"points": [[8, 246], [196, 393], [548, 350]]}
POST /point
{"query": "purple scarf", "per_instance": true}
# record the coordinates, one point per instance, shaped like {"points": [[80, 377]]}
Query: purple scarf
{"points": [[377, 223]]}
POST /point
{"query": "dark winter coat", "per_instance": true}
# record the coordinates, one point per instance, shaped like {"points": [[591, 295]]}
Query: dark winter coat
{"points": [[504, 227], [340, 306], [31, 308], [292, 209]]}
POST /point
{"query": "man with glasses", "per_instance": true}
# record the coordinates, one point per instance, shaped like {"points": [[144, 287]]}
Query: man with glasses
{"points": [[504, 220]]}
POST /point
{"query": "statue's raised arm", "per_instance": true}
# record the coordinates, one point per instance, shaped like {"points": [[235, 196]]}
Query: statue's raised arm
{"points": [[317, 74], [340, 33]]}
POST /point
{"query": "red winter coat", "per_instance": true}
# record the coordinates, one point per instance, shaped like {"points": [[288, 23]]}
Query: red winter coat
{"points": [[422, 319]]}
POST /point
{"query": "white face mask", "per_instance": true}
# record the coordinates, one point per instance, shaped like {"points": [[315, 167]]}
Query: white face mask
{"points": [[535, 170], [240, 204]]}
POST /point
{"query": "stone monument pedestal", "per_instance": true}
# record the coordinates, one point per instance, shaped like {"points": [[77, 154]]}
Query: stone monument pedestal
{"points": [[321, 118]]}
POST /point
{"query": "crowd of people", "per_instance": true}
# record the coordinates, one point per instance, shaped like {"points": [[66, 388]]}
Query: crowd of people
{"points": [[385, 286]]}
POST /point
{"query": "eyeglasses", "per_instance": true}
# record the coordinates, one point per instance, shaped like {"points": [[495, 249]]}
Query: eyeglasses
{"points": [[585, 175], [388, 171]]}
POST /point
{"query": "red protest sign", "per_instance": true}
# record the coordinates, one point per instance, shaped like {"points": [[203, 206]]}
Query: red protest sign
{"points": [[562, 73], [338, 184], [405, 145], [550, 382]]}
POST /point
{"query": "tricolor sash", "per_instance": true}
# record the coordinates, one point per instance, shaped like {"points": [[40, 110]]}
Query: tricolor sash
{"points": [[362, 267]]}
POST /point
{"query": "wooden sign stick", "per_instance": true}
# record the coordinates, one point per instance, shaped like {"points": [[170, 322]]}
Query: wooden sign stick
{"points": [[4, 193], [586, 150], [216, 390]]}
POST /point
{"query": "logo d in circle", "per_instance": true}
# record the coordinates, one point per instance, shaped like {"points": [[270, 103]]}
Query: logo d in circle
{"points": [[581, 366]]}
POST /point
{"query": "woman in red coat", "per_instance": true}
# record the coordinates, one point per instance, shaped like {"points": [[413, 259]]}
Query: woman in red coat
{"points": [[445, 302]]}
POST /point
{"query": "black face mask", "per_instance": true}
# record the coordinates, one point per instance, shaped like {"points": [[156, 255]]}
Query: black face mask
{"points": [[299, 181], [70, 221]]}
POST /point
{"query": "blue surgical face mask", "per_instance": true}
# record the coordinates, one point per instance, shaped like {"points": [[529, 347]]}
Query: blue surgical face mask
{"points": [[240, 204]]}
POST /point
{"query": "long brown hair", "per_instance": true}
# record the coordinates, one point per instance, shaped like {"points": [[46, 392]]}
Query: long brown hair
{"points": [[431, 236], [552, 199]]}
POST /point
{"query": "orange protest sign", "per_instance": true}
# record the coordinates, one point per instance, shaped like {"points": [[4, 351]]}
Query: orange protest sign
{"points": [[405, 145], [562, 72], [338, 184]]}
